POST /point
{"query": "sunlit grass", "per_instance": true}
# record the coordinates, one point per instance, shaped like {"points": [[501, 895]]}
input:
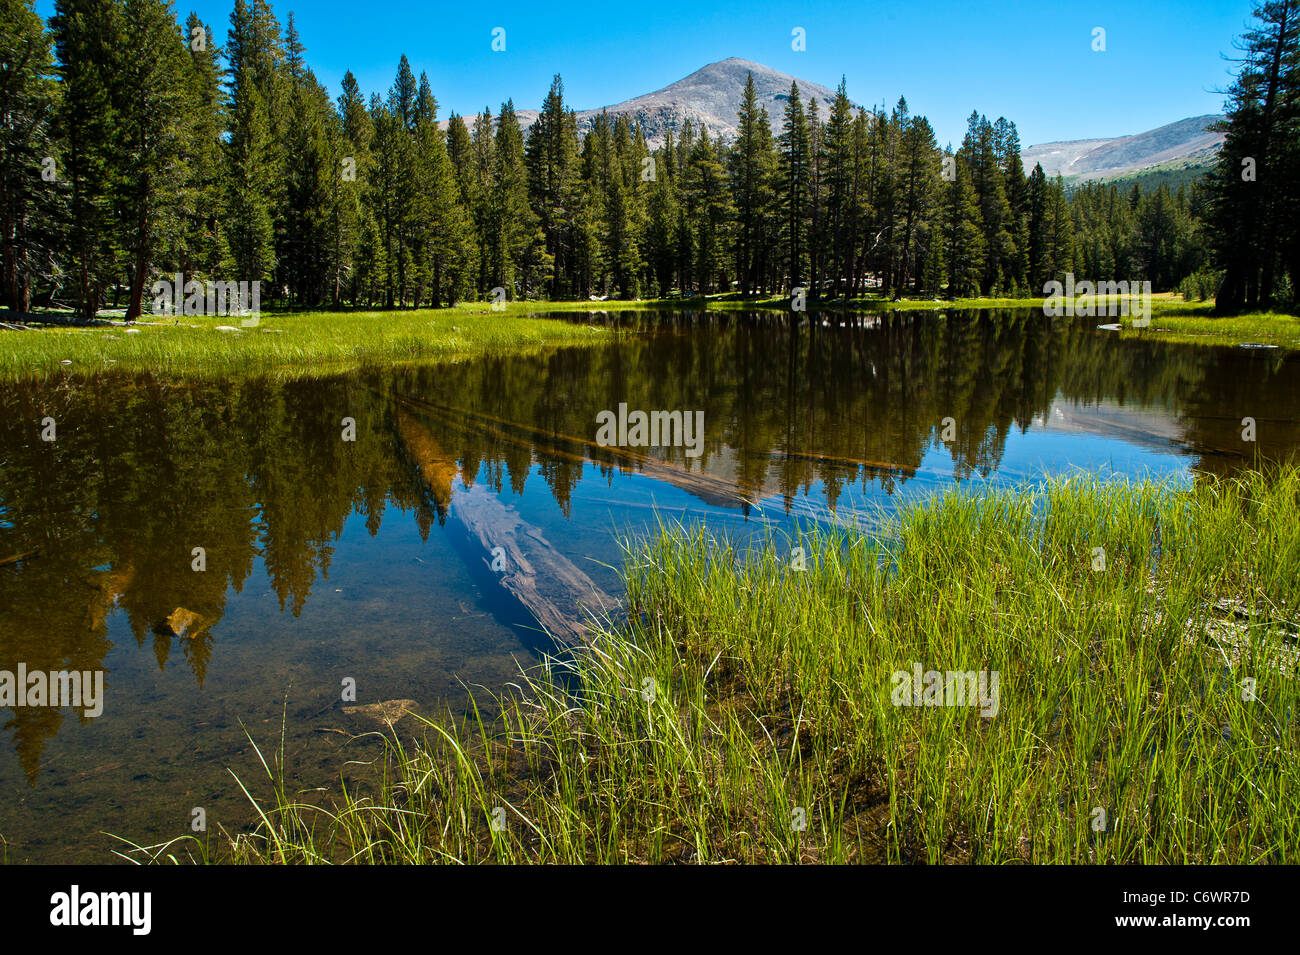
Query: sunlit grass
{"points": [[1144, 635], [299, 344], [1195, 323]]}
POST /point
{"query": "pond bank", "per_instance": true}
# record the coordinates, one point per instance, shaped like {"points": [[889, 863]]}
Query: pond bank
{"points": [[310, 344]]}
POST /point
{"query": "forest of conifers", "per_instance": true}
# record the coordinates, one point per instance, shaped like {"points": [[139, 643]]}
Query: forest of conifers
{"points": [[134, 147]]}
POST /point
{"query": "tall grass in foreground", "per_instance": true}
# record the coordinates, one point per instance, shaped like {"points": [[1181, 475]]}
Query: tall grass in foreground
{"points": [[745, 713]]}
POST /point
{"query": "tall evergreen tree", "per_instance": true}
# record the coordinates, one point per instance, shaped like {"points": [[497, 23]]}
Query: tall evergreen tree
{"points": [[708, 202], [918, 179], [552, 161], [252, 171], [199, 247], [1254, 195], [154, 110], [514, 236], [29, 203], [749, 169], [837, 177], [88, 38], [795, 170], [964, 248]]}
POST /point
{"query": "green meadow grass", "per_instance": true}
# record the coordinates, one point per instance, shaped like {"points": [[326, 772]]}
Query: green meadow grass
{"points": [[1195, 323], [300, 344], [745, 713]]}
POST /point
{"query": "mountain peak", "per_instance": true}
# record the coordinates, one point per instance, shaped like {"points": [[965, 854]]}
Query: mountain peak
{"points": [[711, 97], [735, 64]]}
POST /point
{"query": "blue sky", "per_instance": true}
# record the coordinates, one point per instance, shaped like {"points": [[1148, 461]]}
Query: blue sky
{"points": [[1031, 62]]}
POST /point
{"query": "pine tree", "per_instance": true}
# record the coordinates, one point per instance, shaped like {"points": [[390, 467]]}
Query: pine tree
{"points": [[391, 192], [551, 158], [311, 167], [794, 147], [1254, 196], [964, 248], [838, 201], [371, 263], [480, 176], [153, 110], [1059, 248], [988, 181], [515, 242], [88, 37], [662, 214], [200, 246], [816, 225], [252, 172], [879, 176], [596, 172], [1036, 230], [403, 95], [708, 202], [767, 245], [1007, 146], [347, 205], [918, 179], [29, 204], [749, 172], [446, 241], [683, 235]]}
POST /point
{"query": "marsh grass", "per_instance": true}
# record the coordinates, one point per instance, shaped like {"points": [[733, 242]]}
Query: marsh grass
{"points": [[299, 344], [1122, 691], [1196, 323]]}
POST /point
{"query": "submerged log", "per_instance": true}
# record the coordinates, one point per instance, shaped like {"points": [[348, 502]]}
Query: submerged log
{"points": [[558, 594]]}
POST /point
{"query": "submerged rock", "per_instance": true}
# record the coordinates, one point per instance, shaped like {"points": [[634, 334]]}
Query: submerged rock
{"points": [[184, 623], [385, 712]]}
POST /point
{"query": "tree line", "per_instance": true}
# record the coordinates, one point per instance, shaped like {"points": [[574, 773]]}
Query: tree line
{"points": [[135, 147]]}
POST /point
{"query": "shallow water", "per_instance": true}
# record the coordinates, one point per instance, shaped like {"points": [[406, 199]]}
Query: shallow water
{"points": [[329, 560]]}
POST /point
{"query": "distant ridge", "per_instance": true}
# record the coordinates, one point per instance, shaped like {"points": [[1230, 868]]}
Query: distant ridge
{"points": [[1190, 141]]}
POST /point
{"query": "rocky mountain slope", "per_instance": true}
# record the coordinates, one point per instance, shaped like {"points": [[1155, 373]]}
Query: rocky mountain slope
{"points": [[1187, 140]]}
